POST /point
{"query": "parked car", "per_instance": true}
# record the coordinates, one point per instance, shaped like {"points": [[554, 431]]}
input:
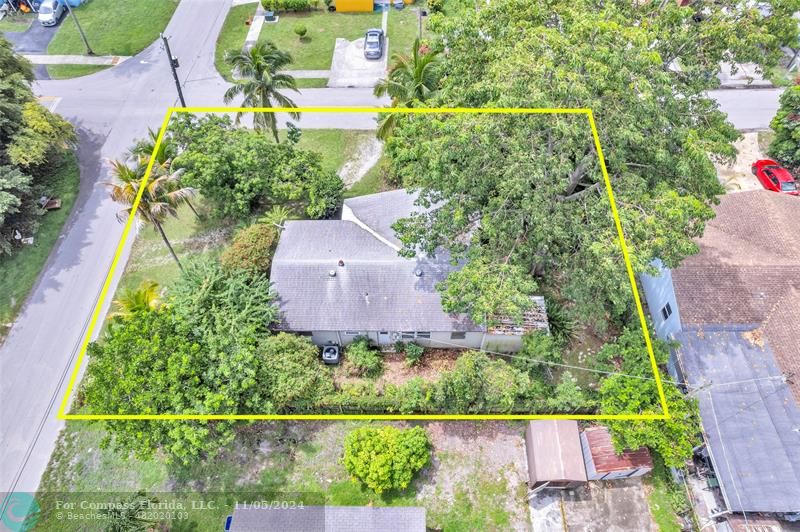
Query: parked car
{"points": [[51, 11], [775, 177], [373, 44]]}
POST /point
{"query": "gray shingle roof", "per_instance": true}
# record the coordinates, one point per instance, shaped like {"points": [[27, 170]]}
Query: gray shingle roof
{"points": [[329, 519], [380, 211], [752, 425], [375, 290]]}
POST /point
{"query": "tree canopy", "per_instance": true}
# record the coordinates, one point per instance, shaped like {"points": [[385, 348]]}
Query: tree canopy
{"points": [[527, 191], [785, 147]]}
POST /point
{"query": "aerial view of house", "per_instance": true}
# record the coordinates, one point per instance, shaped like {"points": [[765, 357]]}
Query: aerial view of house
{"points": [[399, 265]]}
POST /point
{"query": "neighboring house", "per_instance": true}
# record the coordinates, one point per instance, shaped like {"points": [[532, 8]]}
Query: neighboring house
{"points": [[603, 462], [326, 518], [734, 308], [340, 279]]}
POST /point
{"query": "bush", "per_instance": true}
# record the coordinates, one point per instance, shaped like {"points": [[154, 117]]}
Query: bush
{"points": [[435, 6], [414, 352], [251, 249], [300, 30], [386, 458], [363, 359], [562, 325], [288, 5]]}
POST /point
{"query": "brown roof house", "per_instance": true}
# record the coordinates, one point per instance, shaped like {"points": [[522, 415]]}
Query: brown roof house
{"points": [[603, 462], [734, 309]]}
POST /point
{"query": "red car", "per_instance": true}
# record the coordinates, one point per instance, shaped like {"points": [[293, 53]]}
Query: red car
{"points": [[775, 177]]}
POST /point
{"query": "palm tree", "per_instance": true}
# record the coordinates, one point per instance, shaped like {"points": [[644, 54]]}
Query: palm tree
{"points": [[413, 78], [132, 300], [160, 198], [260, 80], [144, 148]]}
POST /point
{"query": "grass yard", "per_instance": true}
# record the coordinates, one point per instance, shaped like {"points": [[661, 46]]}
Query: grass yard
{"points": [[73, 71], [315, 50], [372, 182], [335, 145], [16, 22], [232, 36], [18, 273], [666, 498], [311, 83], [474, 482], [403, 27], [113, 27]]}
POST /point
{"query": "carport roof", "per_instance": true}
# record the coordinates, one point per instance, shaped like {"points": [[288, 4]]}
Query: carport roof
{"points": [[751, 422]]}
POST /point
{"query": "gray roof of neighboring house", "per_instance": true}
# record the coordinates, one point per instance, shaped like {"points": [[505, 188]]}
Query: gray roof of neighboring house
{"points": [[329, 519], [752, 425], [553, 451], [375, 290], [380, 211]]}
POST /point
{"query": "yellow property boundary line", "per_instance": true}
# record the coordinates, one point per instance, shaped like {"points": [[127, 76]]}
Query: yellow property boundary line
{"points": [[129, 223]]}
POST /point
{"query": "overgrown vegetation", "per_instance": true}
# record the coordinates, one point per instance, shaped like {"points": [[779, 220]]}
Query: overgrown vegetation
{"points": [[785, 145]]}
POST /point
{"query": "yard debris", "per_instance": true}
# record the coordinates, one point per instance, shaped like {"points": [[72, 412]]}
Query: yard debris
{"points": [[755, 337]]}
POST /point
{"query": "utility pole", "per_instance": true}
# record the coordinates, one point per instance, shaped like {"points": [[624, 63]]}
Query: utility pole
{"points": [[173, 64], [89, 50]]}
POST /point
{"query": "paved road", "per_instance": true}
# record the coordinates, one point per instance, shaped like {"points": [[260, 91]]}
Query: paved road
{"points": [[110, 109], [748, 109], [34, 40]]}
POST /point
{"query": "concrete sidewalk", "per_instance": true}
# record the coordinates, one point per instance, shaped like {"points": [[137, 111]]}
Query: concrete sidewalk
{"points": [[42, 59]]}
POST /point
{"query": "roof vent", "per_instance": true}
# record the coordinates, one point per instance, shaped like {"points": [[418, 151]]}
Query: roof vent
{"points": [[418, 272], [341, 262], [332, 273]]}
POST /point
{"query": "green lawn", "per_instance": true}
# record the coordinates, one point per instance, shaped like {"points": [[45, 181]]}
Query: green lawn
{"points": [[232, 36], [403, 27], [335, 145], [311, 83], [19, 272], [666, 498], [114, 27], [315, 51], [16, 22], [73, 71]]}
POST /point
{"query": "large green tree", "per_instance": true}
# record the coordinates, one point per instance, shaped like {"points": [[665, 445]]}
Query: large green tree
{"points": [[633, 391], [528, 190], [785, 147], [240, 170]]}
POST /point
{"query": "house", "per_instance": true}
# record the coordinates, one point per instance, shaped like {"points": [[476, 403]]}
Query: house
{"points": [[602, 461], [340, 279], [282, 518], [553, 451], [734, 310]]}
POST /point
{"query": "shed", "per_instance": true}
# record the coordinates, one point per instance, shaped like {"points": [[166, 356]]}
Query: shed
{"points": [[553, 451], [603, 462]]}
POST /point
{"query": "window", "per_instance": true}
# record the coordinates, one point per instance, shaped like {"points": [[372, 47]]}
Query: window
{"points": [[666, 311], [458, 335], [304, 333], [407, 335], [351, 333], [426, 334]]}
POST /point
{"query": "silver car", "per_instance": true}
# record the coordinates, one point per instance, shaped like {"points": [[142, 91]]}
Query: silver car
{"points": [[373, 44], [51, 11]]}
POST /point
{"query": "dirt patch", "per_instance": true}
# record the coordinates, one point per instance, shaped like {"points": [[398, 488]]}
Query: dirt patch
{"points": [[395, 371], [738, 177], [368, 154]]}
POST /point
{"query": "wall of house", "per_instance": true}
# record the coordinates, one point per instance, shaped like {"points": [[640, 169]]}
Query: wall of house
{"points": [[660, 296], [471, 340], [502, 343]]}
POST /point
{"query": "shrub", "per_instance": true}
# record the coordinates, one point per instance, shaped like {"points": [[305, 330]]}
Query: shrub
{"points": [[413, 397], [251, 249], [288, 5], [300, 30], [414, 352], [385, 458], [363, 359], [436, 6], [562, 325]]}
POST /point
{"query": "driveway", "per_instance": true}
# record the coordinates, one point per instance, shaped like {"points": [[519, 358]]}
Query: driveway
{"points": [[350, 68], [34, 40]]}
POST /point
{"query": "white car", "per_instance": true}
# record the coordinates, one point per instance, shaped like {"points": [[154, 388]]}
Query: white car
{"points": [[51, 11]]}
